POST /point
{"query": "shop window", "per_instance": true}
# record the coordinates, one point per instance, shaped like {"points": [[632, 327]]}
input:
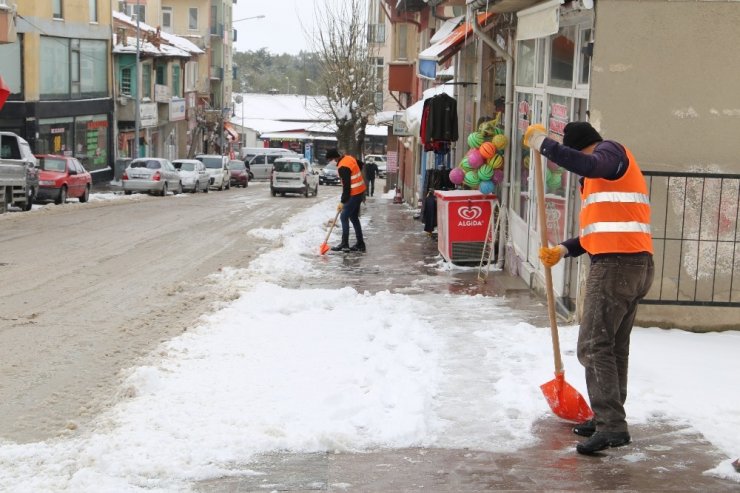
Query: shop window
{"points": [[562, 57], [585, 54], [91, 141], [525, 63], [540, 61], [55, 136], [521, 156]]}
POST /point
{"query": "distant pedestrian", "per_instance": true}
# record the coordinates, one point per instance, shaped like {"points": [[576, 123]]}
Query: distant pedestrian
{"points": [[371, 171], [353, 193], [615, 232]]}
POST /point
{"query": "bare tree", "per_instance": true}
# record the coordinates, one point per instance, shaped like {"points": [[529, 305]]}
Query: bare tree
{"points": [[348, 76]]}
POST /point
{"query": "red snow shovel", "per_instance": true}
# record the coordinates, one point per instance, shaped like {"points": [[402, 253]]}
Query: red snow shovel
{"points": [[564, 400], [325, 245]]}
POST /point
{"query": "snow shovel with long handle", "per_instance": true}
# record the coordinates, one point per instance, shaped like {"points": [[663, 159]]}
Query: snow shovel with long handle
{"points": [[325, 245], [564, 400]]}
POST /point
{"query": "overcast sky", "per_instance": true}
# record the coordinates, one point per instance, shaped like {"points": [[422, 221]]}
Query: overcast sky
{"points": [[280, 30]]}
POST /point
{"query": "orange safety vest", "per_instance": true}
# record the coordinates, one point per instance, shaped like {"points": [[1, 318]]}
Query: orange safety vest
{"points": [[357, 183], [615, 214]]}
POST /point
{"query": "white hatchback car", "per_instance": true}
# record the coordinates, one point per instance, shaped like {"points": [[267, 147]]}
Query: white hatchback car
{"points": [[294, 175], [195, 177], [218, 167]]}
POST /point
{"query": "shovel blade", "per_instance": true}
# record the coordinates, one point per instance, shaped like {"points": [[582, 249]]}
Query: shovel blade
{"points": [[323, 248], [565, 401]]}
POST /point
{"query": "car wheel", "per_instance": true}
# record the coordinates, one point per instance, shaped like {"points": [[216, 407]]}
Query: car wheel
{"points": [[196, 187], [86, 195], [207, 189], [30, 198], [179, 188], [164, 189], [220, 188], [274, 193], [62, 198], [316, 190], [128, 192], [305, 191]]}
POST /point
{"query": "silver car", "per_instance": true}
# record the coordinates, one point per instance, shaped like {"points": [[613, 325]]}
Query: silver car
{"points": [[193, 173], [218, 167], [294, 175], [152, 175]]}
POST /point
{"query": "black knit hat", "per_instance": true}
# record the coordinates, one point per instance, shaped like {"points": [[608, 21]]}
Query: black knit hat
{"points": [[579, 135], [332, 154]]}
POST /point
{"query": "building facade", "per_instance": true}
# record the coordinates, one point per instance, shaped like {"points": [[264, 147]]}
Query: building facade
{"points": [[59, 72]]}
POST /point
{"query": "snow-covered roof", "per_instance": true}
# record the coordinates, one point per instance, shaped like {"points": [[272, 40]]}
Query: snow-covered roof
{"points": [[174, 45]]}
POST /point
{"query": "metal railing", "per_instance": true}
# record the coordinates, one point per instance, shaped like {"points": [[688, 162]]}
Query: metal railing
{"points": [[696, 228]]}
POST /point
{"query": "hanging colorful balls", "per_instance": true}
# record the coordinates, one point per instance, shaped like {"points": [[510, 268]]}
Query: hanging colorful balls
{"points": [[485, 172], [471, 179], [474, 158], [498, 131], [487, 150], [475, 139], [500, 141], [496, 162], [486, 187], [554, 180], [465, 165], [498, 176], [457, 175]]}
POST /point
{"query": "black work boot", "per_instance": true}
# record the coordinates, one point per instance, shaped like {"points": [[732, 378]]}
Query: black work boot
{"points": [[602, 440], [342, 247], [358, 247], [585, 429]]}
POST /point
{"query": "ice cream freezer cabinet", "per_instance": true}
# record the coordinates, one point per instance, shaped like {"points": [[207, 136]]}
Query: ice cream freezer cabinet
{"points": [[463, 218]]}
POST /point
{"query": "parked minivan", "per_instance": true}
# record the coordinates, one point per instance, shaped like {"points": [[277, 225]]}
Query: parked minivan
{"points": [[260, 164], [294, 175]]}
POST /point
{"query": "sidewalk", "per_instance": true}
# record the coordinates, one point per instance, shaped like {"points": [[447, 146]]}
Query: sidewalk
{"points": [[402, 258]]}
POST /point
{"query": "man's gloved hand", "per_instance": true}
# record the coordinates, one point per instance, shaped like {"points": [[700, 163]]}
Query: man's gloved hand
{"points": [[551, 256], [535, 136], [340, 207]]}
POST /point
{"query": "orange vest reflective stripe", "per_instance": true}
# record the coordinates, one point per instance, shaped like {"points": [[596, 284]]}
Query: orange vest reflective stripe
{"points": [[357, 183], [615, 214]]}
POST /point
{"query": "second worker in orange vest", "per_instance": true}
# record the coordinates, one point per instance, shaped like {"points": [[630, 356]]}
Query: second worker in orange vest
{"points": [[615, 232], [353, 193]]}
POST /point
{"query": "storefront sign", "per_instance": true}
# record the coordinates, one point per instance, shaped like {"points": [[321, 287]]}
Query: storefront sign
{"points": [[399, 125], [56, 131], [162, 93], [558, 119], [177, 110], [148, 114], [97, 124], [392, 162]]}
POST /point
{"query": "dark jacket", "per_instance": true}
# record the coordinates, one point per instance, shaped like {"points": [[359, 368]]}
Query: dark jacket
{"points": [[371, 169]]}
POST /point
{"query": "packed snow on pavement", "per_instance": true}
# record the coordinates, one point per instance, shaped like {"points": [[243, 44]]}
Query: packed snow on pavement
{"points": [[309, 370]]}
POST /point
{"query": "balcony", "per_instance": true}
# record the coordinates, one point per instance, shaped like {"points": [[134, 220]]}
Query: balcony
{"points": [[217, 30], [401, 77]]}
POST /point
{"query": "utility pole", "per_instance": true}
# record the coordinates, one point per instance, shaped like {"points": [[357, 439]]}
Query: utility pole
{"points": [[138, 87]]}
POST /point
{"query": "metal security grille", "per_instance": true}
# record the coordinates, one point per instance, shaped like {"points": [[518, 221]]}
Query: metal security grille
{"points": [[696, 227]]}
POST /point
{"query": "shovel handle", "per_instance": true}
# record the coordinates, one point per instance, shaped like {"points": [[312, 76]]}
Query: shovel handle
{"points": [[540, 185], [326, 240]]}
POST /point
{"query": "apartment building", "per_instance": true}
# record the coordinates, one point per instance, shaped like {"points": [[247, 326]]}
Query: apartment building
{"points": [[59, 72]]}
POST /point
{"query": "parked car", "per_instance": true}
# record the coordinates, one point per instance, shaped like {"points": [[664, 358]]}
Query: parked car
{"points": [[193, 174], [380, 161], [329, 175], [218, 168], [261, 164], [294, 175], [239, 173], [152, 175], [62, 177], [18, 172]]}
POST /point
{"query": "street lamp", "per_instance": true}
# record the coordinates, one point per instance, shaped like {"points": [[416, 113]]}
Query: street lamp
{"points": [[247, 18]]}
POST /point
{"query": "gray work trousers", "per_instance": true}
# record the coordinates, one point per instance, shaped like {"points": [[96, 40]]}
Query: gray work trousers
{"points": [[615, 285]]}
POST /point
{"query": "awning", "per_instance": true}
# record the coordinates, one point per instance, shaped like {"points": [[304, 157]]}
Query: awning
{"points": [[539, 21], [442, 50], [296, 136], [231, 134]]}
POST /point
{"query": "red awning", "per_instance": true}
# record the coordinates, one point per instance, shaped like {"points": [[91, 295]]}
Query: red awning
{"points": [[451, 44], [231, 134]]}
